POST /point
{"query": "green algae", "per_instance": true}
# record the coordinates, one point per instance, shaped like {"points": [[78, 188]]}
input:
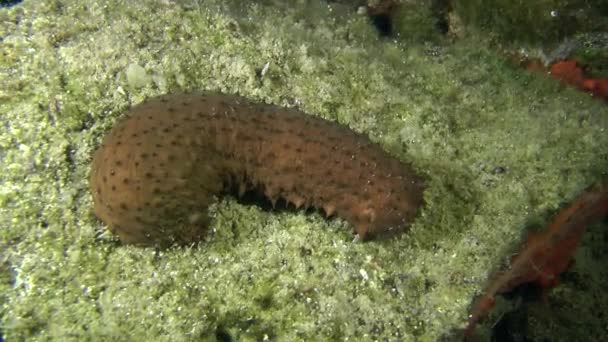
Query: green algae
{"points": [[537, 22], [499, 148], [592, 52]]}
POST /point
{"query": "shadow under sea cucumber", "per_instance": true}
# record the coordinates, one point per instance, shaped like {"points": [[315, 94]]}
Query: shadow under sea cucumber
{"points": [[159, 168]]}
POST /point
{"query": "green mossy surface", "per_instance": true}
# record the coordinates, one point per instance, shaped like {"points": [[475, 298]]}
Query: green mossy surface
{"points": [[592, 52], [538, 22], [499, 148]]}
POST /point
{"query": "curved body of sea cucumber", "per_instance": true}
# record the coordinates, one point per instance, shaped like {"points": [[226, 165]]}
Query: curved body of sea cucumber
{"points": [[158, 169]]}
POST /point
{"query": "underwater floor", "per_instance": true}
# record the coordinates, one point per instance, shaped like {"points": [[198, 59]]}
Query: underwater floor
{"points": [[500, 149]]}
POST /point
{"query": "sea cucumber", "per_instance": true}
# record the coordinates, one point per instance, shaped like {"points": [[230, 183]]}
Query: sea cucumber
{"points": [[160, 167]]}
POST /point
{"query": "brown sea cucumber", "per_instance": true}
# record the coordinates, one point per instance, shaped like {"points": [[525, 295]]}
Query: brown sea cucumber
{"points": [[159, 168]]}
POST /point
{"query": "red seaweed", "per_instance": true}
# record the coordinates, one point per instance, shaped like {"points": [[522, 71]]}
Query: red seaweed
{"points": [[546, 254], [569, 72]]}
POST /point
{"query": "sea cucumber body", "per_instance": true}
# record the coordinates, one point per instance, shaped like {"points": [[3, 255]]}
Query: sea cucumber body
{"points": [[158, 169]]}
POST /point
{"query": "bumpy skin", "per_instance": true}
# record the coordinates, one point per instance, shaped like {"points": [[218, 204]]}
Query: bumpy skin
{"points": [[159, 168]]}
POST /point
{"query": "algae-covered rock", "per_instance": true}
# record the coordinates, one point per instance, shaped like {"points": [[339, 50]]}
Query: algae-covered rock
{"points": [[499, 148], [542, 21]]}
